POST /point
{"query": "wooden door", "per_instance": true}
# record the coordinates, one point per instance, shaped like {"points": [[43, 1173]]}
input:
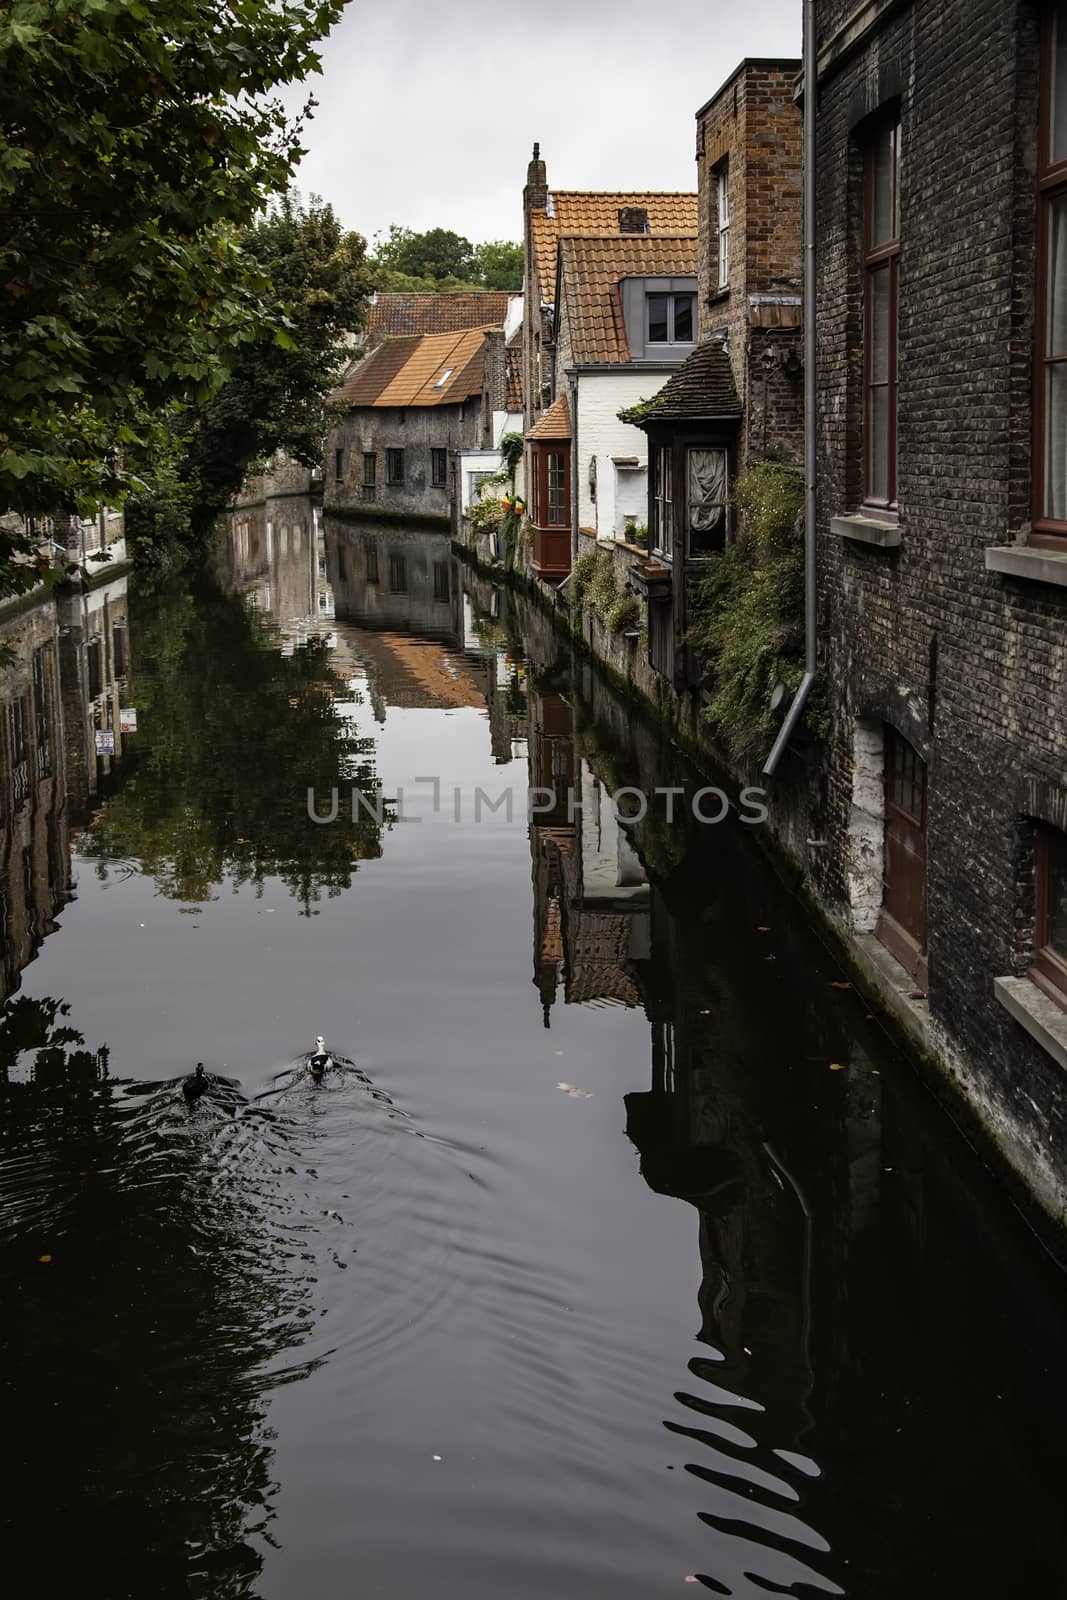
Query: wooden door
{"points": [[902, 924]]}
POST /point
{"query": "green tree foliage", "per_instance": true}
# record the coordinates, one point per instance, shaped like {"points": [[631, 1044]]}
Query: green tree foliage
{"points": [[498, 264], [137, 139], [748, 614], [276, 397], [225, 758], [442, 260]]}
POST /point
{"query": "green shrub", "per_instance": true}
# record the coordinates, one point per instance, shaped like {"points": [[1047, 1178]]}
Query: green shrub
{"points": [[486, 515], [603, 588], [748, 614], [581, 577], [623, 613]]}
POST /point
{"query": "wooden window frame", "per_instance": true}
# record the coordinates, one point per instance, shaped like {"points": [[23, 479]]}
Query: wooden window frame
{"points": [[1051, 185], [662, 503], [1049, 970], [542, 453], [878, 258], [394, 467], [438, 457], [369, 479]]}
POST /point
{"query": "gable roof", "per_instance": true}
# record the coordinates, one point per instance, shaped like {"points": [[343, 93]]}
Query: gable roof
{"points": [[432, 370], [573, 211], [556, 422], [392, 316], [702, 389], [591, 270]]}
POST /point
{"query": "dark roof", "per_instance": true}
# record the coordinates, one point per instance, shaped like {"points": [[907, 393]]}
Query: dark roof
{"points": [[393, 315], [702, 389]]}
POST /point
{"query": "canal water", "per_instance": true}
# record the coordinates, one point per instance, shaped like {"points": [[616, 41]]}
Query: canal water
{"points": [[620, 1252]]}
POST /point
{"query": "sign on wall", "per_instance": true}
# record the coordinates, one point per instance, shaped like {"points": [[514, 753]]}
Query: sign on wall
{"points": [[128, 720], [105, 741]]}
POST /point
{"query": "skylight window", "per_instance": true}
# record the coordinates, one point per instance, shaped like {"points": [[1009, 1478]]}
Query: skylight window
{"points": [[443, 379]]}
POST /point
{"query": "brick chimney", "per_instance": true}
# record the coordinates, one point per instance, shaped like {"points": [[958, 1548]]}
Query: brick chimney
{"points": [[535, 194]]}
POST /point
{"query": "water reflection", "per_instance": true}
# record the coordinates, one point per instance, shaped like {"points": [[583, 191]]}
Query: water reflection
{"points": [[857, 1398]]}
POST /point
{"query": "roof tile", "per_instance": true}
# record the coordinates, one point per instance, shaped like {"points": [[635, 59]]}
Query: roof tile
{"points": [[556, 422], [579, 212], [702, 389], [591, 270], [432, 370], [393, 315]]}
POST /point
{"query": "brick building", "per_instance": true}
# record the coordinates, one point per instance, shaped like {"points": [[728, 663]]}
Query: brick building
{"points": [[942, 535], [739, 396], [412, 405]]}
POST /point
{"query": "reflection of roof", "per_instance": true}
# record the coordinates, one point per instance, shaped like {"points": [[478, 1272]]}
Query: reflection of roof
{"points": [[431, 369], [591, 270], [556, 422], [414, 672], [575, 212], [599, 951], [393, 315], [702, 388]]}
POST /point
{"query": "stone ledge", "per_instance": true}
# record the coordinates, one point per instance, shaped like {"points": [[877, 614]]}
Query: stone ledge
{"points": [[1028, 561], [886, 535], [894, 984], [1034, 1011]]}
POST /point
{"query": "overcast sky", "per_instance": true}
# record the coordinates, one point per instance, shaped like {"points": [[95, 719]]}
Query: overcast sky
{"points": [[428, 112]]}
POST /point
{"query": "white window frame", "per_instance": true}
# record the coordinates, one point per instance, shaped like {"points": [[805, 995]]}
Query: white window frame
{"points": [[722, 191]]}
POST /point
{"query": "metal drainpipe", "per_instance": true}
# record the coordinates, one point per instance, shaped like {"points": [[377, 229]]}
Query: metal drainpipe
{"points": [[793, 715]]}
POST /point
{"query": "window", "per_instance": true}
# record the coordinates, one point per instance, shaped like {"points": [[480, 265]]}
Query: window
{"points": [[372, 564], [881, 254], [398, 574], [474, 485], [119, 651], [394, 466], [662, 495], [1050, 387], [670, 318], [722, 192], [707, 488], [557, 488], [551, 486], [1050, 934], [439, 468], [370, 469], [440, 580], [94, 660], [338, 465]]}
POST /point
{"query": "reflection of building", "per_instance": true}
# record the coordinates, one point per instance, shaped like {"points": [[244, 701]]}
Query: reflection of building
{"points": [[66, 682], [591, 927]]}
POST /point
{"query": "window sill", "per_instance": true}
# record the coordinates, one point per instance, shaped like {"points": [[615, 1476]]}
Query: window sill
{"points": [[1028, 561], [1041, 1017], [866, 530]]}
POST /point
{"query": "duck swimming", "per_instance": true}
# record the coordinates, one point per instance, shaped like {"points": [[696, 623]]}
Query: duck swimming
{"points": [[319, 1060], [195, 1086]]}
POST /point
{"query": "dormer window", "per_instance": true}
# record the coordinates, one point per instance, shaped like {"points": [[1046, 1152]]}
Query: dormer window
{"points": [[670, 318]]}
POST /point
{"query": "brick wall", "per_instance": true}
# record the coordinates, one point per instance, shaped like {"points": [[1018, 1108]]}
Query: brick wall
{"points": [[754, 125], [969, 665]]}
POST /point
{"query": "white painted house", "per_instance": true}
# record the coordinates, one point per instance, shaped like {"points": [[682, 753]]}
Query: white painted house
{"points": [[625, 320]]}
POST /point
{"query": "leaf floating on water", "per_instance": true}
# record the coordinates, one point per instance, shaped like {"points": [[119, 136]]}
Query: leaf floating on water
{"points": [[758, 930], [841, 986], [44, 1258], [574, 1092], [838, 1066]]}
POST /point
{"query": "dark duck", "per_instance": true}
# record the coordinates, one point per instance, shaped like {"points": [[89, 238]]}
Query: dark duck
{"points": [[319, 1060], [195, 1086]]}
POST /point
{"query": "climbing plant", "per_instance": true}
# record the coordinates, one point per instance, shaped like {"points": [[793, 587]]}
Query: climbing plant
{"points": [[747, 614]]}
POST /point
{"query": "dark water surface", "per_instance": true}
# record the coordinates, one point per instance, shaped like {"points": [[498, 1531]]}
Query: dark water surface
{"points": [[626, 1254]]}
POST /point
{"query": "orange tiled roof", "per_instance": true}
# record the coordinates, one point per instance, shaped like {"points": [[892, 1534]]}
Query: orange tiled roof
{"points": [[576, 212], [392, 316], [556, 422], [513, 371], [591, 270], [435, 369]]}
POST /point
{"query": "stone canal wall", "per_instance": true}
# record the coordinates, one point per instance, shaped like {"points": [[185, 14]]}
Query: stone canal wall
{"points": [[797, 805]]}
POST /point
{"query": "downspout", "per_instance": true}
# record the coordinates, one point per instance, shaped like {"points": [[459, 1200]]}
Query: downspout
{"points": [[796, 709]]}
